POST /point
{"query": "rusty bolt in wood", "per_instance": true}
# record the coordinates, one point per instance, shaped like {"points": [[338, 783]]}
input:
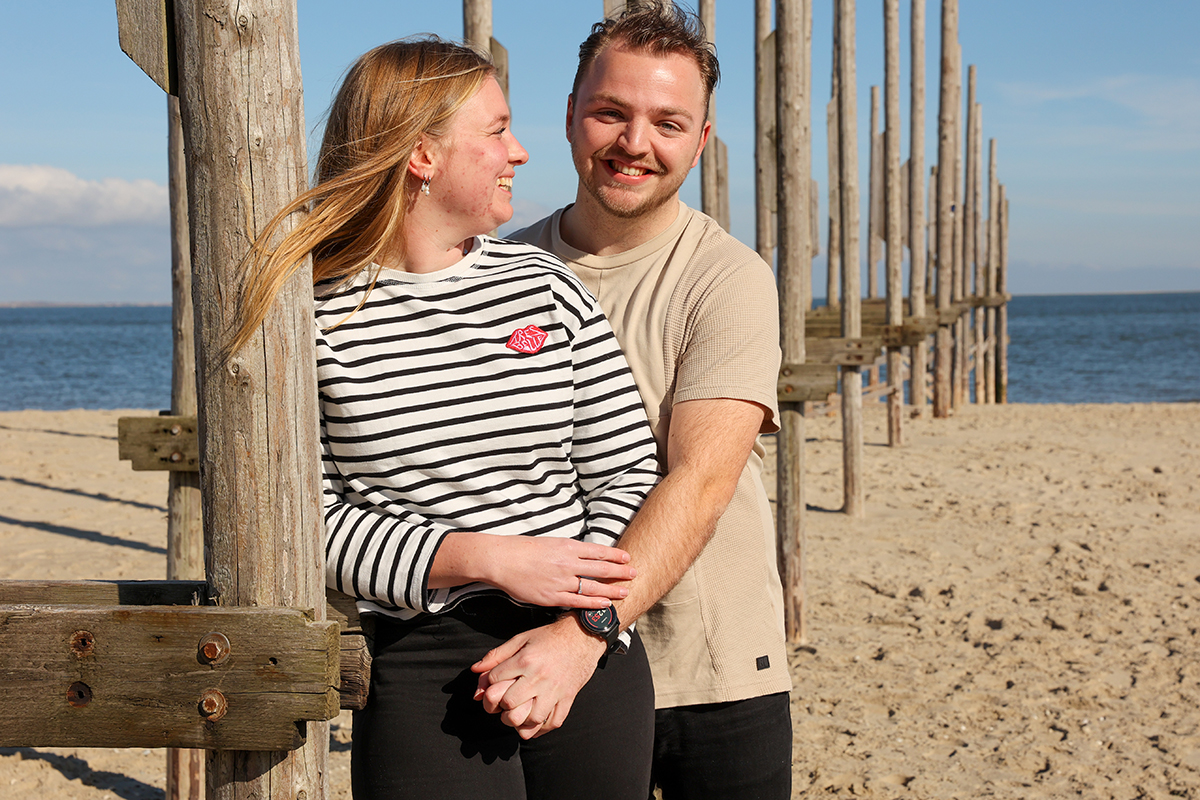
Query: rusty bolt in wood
{"points": [[213, 704], [83, 644], [214, 648], [79, 694], [176, 430], [176, 457]]}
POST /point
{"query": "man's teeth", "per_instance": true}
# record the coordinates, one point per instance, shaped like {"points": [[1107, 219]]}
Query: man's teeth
{"points": [[632, 171], [505, 183]]}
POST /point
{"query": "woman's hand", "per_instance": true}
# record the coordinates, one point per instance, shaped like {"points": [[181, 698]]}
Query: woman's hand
{"points": [[543, 571]]}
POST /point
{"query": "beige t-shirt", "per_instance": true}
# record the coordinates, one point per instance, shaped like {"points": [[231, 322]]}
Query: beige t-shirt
{"points": [[697, 314]]}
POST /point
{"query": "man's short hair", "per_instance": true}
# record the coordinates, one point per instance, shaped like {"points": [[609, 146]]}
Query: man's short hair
{"points": [[658, 27]]}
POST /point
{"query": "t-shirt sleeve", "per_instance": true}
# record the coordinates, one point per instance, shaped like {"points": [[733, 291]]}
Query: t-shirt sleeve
{"points": [[729, 333]]}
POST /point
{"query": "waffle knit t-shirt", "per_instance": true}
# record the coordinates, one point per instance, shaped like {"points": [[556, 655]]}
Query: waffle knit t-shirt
{"points": [[697, 314]]}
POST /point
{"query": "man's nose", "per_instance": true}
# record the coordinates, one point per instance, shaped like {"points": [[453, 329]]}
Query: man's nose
{"points": [[635, 138]]}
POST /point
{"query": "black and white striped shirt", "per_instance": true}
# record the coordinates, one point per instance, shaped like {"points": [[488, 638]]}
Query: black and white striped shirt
{"points": [[490, 396]]}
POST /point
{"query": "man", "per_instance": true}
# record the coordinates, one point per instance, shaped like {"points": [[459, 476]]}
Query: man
{"points": [[696, 313]]}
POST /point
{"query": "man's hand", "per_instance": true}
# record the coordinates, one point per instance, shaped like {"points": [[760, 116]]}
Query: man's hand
{"points": [[532, 679]]}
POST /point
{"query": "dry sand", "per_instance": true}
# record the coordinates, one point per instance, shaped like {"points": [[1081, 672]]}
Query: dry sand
{"points": [[1016, 616]]}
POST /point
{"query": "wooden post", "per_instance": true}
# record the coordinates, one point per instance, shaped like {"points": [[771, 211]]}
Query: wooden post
{"points": [[874, 199], [991, 372], [765, 160], [1002, 285], [714, 184], [243, 123], [477, 31], [852, 425], [918, 256], [943, 356], [968, 215], [895, 248], [960, 327], [185, 531], [833, 290], [983, 380], [613, 8], [795, 259]]}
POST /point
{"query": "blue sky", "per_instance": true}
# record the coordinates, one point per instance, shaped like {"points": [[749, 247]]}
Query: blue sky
{"points": [[1095, 107]]}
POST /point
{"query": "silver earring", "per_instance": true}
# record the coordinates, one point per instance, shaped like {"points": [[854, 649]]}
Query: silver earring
{"points": [[425, 186]]}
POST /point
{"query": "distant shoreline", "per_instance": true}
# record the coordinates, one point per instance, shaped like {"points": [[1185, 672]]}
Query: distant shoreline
{"points": [[38, 304]]}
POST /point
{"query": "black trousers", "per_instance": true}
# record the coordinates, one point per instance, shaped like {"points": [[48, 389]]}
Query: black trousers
{"points": [[423, 735], [713, 751]]}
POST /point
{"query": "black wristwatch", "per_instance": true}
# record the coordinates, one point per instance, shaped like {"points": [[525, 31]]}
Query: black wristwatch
{"points": [[602, 622]]}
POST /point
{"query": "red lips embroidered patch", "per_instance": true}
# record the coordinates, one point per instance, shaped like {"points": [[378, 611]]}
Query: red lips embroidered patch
{"points": [[527, 340]]}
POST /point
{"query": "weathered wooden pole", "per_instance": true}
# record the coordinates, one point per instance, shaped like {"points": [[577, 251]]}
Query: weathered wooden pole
{"points": [[960, 323], [477, 30], [613, 8], [833, 286], [969, 212], [714, 171], [243, 121], [765, 159], [991, 376], [185, 531], [795, 261], [875, 201], [852, 424], [895, 247], [1002, 286], [918, 256], [944, 355], [983, 380]]}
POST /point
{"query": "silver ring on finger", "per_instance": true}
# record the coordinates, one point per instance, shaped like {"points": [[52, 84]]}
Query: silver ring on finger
{"points": [[580, 589]]}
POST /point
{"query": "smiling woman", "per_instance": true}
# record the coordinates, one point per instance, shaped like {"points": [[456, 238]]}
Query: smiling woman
{"points": [[483, 444]]}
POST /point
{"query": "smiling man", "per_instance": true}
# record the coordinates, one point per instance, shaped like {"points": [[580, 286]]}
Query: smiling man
{"points": [[696, 313]]}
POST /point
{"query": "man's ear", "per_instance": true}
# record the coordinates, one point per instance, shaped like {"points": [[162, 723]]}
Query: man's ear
{"points": [[570, 113], [703, 141], [423, 160]]}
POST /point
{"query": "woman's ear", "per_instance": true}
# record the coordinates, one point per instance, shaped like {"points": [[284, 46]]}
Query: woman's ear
{"points": [[423, 160]]}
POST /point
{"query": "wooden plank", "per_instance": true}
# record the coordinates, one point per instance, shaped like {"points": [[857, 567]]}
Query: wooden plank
{"points": [[146, 33], [340, 609], [803, 382], [893, 210], [943, 356], [843, 352], [141, 677], [159, 443], [875, 233]]}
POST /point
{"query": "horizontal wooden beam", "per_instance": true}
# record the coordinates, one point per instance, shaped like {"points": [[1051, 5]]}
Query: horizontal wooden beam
{"points": [[841, 351], [803, 382], [164, 676], [354, 642], [159, 443]]}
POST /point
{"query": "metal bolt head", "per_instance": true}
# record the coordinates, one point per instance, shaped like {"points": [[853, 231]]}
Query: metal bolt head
{"points": [[212, 704], [176, 429], [83, 644], [79, 694], [176, 457], [214, 648]]}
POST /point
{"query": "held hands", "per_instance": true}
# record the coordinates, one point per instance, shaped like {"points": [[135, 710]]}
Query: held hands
{"points": [[532, 679], [558, 572]]}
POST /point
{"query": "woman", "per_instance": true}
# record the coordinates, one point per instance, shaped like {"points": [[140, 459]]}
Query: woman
{"points": [[483, 443]]}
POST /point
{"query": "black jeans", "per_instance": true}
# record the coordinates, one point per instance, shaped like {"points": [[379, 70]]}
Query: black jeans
{"points": [[423, 735], [719, 751]]}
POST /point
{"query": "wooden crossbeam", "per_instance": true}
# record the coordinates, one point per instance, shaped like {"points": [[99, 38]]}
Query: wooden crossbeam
{"points": [[842, 352], [159, 443], [356, 633], [803, 382], [164, 676]]}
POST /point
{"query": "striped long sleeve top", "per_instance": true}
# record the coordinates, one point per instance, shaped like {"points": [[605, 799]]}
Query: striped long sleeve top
{"points": [[490, 396]]}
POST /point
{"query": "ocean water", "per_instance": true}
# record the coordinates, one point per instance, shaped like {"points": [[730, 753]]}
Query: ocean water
{"points": [[1063, 349]]}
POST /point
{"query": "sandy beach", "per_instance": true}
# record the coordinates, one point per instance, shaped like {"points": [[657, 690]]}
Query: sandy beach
{"points": [[1015, 617]]}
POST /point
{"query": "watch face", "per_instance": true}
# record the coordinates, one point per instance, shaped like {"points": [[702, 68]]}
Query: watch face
{"points": [[599, 620]]}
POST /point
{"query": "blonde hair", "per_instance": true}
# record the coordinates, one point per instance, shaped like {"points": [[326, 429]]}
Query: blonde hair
{"points": [[394, 96]]}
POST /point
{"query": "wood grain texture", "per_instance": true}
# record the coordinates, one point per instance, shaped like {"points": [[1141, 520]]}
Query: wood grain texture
{"points": [[145, 31], [144, 673]]}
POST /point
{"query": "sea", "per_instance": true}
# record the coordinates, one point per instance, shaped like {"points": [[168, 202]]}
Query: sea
{"points": [[1130, 348]]}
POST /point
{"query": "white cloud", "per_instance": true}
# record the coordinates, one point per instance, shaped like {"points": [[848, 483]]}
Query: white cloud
{"points": [[35, 195]]}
